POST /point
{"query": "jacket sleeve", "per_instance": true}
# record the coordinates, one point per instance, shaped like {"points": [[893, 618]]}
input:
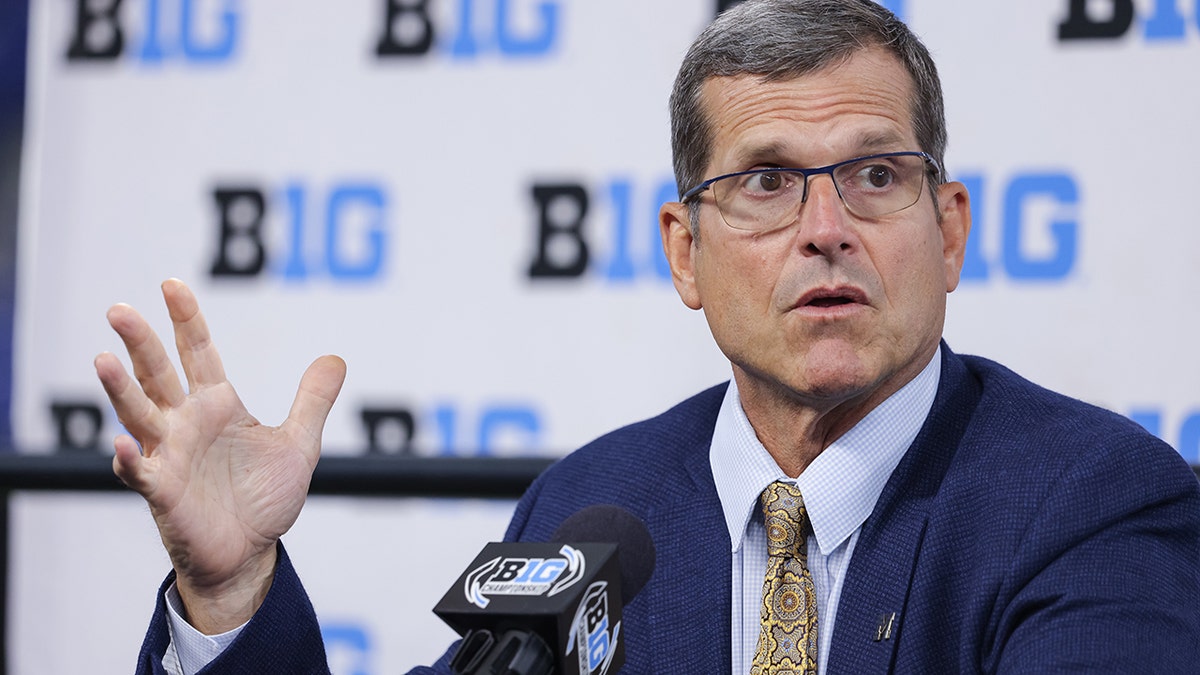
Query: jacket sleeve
{"points": [[283, 636]]}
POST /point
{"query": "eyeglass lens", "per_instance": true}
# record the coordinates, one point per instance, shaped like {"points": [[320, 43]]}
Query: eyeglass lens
{"points": [[869, 188]]}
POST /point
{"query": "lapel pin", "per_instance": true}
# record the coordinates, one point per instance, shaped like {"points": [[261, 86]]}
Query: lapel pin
{"points": [[884, 630]]}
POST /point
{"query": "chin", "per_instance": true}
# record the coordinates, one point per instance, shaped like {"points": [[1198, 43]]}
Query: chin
{"points": [[835, 371]]}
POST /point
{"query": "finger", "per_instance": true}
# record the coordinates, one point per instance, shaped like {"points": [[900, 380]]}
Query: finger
{"points": [[151, 366], [129, 465], [319, 388], [134, 409], [197, 353]]}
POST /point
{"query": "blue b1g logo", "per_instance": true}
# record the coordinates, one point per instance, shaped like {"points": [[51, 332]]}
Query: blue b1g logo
{"points": [[453, 428], [566, 230], [593, 638], [187, 31], [1017, 257], [1183, 434], [339, 232], [525, 576], [522, 29], [1113, 19], [349, 647]]}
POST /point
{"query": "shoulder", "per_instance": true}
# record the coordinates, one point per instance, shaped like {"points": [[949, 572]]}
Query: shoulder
{"points": [[1027, 440], [1014, 410], [1058, 518], [626, 467], [679, 430]]}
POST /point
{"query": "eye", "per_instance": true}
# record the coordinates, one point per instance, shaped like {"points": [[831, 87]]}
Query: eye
{"points": [[769, 182], [878, 176]]}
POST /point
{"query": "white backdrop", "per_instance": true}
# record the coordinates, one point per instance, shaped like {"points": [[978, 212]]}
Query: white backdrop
{"points": [[394, 200]]}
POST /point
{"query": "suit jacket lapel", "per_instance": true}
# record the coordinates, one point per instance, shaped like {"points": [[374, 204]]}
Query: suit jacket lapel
{"points": [[690, 599], [870, 614]]}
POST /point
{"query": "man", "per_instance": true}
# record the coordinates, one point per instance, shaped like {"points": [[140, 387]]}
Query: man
{"points": [[952, 516]]}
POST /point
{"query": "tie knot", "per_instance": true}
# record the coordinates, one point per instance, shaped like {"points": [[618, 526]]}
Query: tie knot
{"points": [[785, 518]]}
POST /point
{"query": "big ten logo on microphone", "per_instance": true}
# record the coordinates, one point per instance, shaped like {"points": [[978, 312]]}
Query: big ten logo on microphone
{"points": [[1182, 431], [470, 29], [155, 31], [1158, 21], [607, 230], [547, 576], [449, 428], [592, 634], [1036, 215], [897, 7], [301, 231]]}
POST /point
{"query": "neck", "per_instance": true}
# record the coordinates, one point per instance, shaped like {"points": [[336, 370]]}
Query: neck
{"points": [[795, 429], [794, 433]]}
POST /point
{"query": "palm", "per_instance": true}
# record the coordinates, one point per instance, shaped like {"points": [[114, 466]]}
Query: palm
{"points": [[222, 487]]}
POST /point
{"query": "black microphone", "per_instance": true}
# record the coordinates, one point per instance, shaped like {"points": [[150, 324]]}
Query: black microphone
{"points": [[551, 608]]}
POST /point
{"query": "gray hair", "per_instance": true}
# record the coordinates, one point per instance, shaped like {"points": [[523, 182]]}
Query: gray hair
{"points": [[784, 39]]}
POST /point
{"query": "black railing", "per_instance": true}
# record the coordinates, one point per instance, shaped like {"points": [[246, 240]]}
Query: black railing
{"points": [[376, 476]]}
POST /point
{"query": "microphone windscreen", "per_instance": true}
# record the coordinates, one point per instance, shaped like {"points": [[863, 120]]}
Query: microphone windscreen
{"points": [[609, 524]]}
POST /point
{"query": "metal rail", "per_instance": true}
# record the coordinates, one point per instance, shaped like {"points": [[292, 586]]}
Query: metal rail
{"points": [[377, 476]]}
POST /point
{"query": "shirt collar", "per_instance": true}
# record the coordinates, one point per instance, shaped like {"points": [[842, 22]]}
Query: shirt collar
{"points": [[842, 484]]}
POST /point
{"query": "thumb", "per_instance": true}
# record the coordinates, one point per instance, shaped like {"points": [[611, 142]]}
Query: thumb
{"points": [[319, 388]]}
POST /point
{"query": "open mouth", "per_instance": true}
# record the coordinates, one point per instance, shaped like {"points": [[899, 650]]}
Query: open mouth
{"points": [[832, 297], [829, 302]]}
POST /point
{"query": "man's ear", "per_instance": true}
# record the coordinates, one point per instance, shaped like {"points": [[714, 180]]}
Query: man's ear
{"points": [[680, 247], [955, 205]]}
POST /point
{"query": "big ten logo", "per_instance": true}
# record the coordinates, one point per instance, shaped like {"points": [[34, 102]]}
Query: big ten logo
{"points": [[568, 229], [1038, 227], [897, 7], [593, 635], [470, 29], [348, 648], [301, 232], [1182, 432], [184, 31], [452, 429], [539, 571], [1162, 20]]}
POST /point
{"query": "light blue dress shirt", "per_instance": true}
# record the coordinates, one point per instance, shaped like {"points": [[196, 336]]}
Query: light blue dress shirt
{"points": [[840, 489], [189, 649]]}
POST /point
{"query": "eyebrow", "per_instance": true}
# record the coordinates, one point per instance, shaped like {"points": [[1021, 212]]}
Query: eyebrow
{"points": [[878, 141], [866, 143], [767, 153]]}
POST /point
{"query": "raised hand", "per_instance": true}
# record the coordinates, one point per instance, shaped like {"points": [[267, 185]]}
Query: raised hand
{"points": [[222, 487]]}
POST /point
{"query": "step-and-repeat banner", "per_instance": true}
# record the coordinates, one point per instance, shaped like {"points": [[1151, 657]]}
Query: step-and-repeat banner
{"points": [[460, 198]]}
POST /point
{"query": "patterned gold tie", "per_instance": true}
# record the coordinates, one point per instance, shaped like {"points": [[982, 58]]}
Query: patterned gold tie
{"points": [[787, 642]]}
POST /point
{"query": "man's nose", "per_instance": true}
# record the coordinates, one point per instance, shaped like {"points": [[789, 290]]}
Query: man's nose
{"points": [[824, 225]]}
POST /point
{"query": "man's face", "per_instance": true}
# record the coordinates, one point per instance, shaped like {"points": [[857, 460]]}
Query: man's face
{"points": [[830, 311]]}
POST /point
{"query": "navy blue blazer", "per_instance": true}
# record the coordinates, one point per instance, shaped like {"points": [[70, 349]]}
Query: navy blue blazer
{"points": [[1022, 532]]}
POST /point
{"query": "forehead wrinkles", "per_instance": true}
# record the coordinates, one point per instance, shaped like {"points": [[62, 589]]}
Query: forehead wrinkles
{"points": [[863, 109]]}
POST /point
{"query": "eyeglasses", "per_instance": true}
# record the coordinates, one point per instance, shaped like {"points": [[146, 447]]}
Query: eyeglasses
{"points": [[759, 200]]}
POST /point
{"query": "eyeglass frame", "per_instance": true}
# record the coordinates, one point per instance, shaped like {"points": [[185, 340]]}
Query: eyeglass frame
{"points": [[932, 168]]}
